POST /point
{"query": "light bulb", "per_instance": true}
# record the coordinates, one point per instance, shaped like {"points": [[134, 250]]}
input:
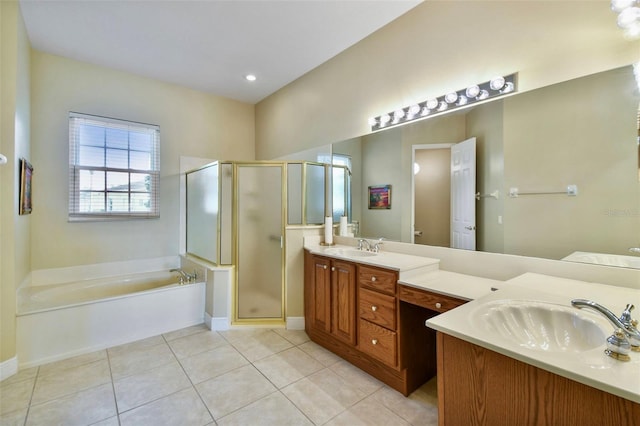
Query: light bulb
{"points": [[432, 103], [462, 100], [384, 119], [413, 110], [496, 83], [633, 32], [620, 5], [629, 17], [508, 88], [443, 106], [372, 121], [483, 95], [397, 115], [416, 168], [451, 97], [472, 91]]}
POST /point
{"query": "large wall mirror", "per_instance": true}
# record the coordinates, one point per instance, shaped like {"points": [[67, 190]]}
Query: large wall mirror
{"points": [[582, 132]]}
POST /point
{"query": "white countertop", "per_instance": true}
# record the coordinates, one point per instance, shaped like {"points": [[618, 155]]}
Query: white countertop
{"points": [[404, 263], [460, 286], [591, 367]]}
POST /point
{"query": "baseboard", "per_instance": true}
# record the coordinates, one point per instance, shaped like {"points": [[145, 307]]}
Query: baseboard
{"points": [[8, 368], [217, 324], [295, 323]]}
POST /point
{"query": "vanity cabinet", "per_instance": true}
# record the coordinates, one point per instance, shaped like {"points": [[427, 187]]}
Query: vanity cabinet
{"points": [[477, 386], [356, 311]]}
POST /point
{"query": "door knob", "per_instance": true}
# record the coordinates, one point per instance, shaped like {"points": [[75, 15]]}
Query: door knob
{"points": [[470, 228], [374, 308], [374, 341]]}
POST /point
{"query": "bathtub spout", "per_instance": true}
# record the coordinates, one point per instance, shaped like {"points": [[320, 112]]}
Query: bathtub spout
{"points": [[183, 275]]}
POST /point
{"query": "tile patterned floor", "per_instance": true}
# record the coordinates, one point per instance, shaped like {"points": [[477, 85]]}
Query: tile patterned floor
{"points": [[197, 377]]}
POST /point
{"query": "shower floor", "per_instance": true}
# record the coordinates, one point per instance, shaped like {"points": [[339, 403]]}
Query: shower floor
{"points": [[258, 304]]}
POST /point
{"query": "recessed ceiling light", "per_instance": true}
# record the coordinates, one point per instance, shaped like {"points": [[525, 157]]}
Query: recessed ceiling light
{"points": [[250, 77]]}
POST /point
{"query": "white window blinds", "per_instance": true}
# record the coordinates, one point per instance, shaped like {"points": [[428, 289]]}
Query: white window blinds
{"points": [[114, 168]]}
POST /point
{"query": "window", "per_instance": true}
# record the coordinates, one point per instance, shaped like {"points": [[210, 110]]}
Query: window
{"points": [[114, 168]]}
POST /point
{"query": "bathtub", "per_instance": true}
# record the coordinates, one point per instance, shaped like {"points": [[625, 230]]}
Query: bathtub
{"points": [[57, 321]]}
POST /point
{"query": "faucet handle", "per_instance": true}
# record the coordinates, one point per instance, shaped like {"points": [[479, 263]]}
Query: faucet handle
{"points": [[626, 314]]}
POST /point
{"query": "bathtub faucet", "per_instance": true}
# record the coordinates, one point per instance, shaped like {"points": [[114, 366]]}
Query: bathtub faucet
{"points": [[184, 277]]}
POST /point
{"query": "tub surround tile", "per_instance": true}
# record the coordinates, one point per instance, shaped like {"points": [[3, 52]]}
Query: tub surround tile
{"points": [[69, 363], [196, 343], [66, 382], [273, 409], [234, 390], [183, 332], [181, 408], [207, 365], [138, 389], [138, 359], [287, 367], [81, 408]]}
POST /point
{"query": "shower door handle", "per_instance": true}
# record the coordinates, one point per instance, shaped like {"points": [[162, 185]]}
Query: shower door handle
{"points": [[277, 238]]}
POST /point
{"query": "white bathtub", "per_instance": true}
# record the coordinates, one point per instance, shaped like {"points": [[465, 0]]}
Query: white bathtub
{"points": [[57, 321]]}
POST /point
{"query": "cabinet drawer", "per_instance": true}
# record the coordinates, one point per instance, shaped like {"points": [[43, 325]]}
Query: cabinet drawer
{"points": [[378, 279], [378, 342], [435, 302], [377, 308]]}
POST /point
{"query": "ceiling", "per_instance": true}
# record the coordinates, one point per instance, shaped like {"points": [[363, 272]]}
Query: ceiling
{"points": [[207, 45]]}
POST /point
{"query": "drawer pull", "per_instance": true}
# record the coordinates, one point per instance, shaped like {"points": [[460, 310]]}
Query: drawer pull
{"points": [[374, 308], [374, 341], [324, 266], [373, 279], [438, 305], [333, 268]]}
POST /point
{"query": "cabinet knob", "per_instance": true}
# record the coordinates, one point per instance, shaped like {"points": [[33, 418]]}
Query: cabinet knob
{"points": [[324, 266], [374, 308], [373, 279], [438, 305], [374, 341], [333, 268]]}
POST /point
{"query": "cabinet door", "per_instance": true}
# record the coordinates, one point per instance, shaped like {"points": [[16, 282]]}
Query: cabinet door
{"points": [[321, 294], [343, 302]]}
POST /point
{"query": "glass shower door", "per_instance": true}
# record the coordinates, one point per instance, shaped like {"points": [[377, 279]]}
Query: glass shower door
{"points": [[259, 256]]}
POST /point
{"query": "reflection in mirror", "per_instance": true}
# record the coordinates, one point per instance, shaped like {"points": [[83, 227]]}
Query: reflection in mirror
{"points": [[202, 212], [582, 132]]}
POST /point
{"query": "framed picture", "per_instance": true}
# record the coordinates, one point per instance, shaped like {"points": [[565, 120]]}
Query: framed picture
{"points": [[380, 197], [26, 173]]}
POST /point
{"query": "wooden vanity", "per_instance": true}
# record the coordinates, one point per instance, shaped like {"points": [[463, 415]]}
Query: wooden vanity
{"points": [[361, 313]]}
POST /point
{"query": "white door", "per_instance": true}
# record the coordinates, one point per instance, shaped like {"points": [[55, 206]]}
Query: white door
{"points": [[463, 190]]}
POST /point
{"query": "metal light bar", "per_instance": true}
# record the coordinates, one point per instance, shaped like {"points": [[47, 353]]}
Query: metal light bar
{"points": [[496, 87]]}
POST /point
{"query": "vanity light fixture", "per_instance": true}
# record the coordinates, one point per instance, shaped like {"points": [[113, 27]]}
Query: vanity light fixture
{"points": [[628, 16], [498, 86]]}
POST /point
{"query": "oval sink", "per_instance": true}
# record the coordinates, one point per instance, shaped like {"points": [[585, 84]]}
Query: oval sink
{"points": [[542, 326], [349, 252]]}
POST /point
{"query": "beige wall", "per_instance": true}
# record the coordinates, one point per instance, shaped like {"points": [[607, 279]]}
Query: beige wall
{"points": [[434, 48], [486, 125], [582, 132], [191, 123], [15, 143]]}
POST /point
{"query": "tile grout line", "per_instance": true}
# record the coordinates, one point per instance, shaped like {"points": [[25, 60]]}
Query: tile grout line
{"points": [[113, 387], [33, 390]]}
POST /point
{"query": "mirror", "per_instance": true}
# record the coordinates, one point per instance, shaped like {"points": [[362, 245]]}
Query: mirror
{"points": [[582, 132]]}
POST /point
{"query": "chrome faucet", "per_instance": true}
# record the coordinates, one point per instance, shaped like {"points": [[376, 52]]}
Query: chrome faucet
{"points": [[626, 335], [376, 246], [362, 243], [184, 277]]}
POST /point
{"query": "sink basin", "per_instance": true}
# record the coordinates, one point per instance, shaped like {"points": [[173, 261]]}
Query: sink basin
{"points": [[347, 252], [541, 326]]}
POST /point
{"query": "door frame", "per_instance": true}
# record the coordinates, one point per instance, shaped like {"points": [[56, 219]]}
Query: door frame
{"points": [[415, 148]]}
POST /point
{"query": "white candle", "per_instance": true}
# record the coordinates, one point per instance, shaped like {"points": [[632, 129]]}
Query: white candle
{"points": [[328, 230]]}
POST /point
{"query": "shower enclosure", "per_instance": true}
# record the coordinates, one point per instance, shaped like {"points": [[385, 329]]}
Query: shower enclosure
{"points": [[237, 214]]}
